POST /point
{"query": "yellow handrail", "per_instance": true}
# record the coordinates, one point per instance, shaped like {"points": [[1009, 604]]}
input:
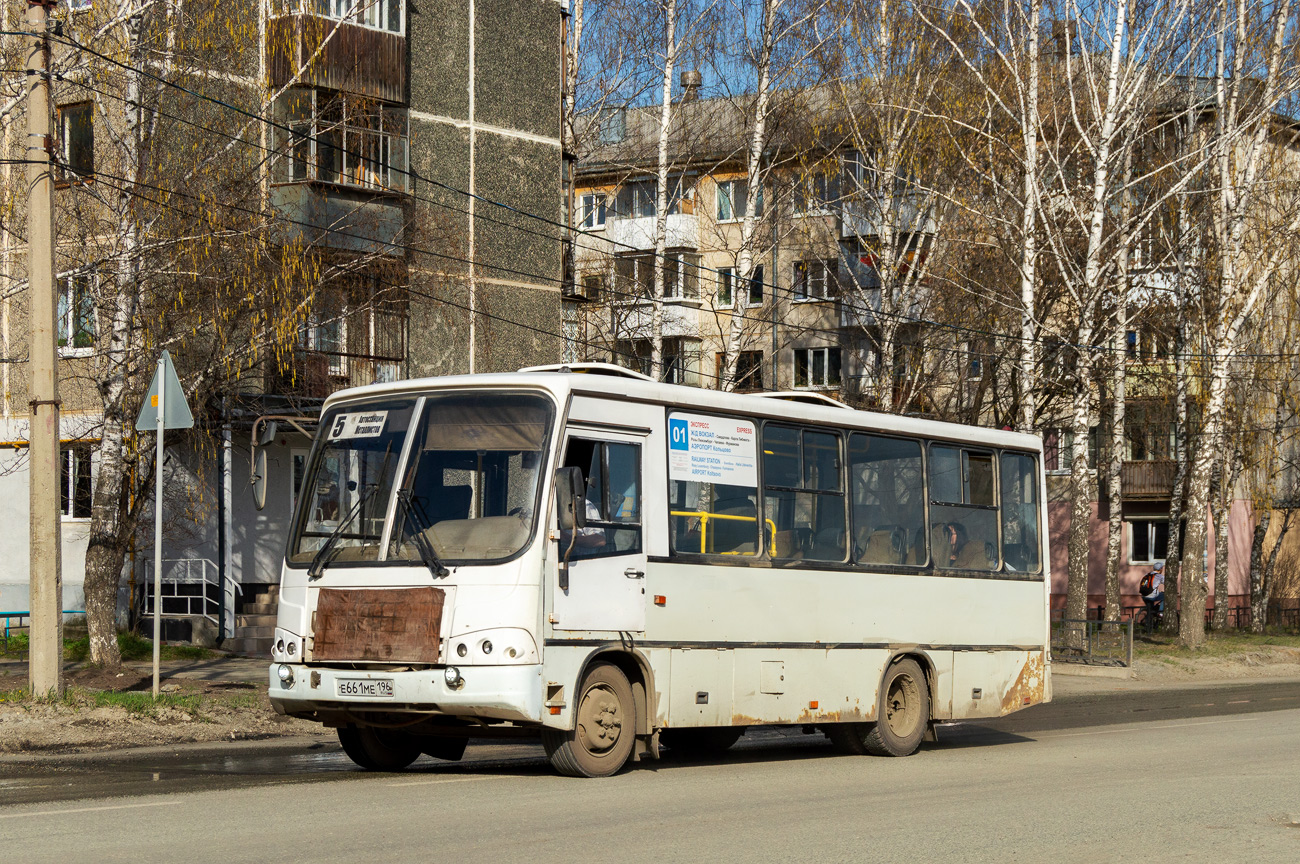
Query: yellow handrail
{"points": [[726, 517]]}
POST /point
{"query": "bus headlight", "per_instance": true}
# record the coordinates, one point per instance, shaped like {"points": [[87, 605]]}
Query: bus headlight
{"points": [[285, 673], [452, 676], [498, 646]]}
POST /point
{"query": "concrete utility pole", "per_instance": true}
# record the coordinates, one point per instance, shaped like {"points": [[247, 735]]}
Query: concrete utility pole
{"points": [[45, 666]]}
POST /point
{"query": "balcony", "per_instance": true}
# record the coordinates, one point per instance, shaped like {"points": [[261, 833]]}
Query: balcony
{"points": [[682, 232], [352, 59], [867, 217], [1147, 480], [348, 219]]}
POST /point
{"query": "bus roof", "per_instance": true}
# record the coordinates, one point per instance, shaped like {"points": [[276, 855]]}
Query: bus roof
{"points": [[604, 381]]}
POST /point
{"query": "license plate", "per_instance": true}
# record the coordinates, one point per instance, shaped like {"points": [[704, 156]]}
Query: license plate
{"points": [[366, 688]]}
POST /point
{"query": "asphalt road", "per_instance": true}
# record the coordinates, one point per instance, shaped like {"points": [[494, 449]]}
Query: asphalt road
{"points": [[1170, 775]]}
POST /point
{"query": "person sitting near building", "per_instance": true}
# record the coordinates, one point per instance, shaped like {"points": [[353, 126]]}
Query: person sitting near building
{"points": [[1152, 589]]}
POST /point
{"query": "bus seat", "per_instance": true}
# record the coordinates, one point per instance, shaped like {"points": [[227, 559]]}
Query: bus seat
{"points": [[974, 556], [885, 545], [940, 545], [734, 535], [828, 545], [788, 545]]}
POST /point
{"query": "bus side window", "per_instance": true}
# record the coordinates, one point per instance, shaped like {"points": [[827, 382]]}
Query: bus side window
{"points": [[612, 471], [803, 495], [1020, 515], [888, 500], [963, 509]]}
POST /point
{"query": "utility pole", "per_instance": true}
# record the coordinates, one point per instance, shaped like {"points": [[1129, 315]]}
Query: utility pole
{"points": [[45, 666]]}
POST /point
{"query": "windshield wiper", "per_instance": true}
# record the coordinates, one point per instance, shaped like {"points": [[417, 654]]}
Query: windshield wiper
{"points": [[325, 554], [422, 544]]}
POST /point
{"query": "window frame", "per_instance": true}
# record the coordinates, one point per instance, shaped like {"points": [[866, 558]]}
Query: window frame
{"points": [[725, 190], [607, 525], [70, 455], [70, 174], [842, 492], [315, 125], [66, 310], [357, 11], [808, 353], [592, 211], [802, 279], [1151, 523]]}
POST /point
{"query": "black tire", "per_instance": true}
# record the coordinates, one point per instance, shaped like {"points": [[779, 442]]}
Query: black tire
{"points": [[378, 749], [701, 741], [604, 726], [903, 712], [451, 749]]}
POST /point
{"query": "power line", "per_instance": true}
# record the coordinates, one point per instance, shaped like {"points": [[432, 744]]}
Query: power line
{"points": [[775, 288]]}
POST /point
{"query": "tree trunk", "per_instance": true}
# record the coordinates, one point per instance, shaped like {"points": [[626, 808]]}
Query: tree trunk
{"points": [[1261, 600], [1028, 233], [1081, 496], [661, 194], [1258, 610]]}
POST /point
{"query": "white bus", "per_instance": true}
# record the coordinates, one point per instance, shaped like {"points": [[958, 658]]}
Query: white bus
{"points": [[616, 564]]}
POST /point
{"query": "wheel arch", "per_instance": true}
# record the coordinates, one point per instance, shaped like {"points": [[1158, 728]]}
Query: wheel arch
{"points": [[636, 666], [928, 668]]}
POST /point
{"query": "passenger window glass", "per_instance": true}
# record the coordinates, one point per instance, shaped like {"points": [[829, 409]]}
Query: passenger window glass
{"points": [[945, 474], [612, 471], [963, 513], [1020, 514], [716, 514], [803, 504], [888, 500]]}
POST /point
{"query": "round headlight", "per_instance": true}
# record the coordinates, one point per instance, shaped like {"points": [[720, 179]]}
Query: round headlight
{"points": [[286, 675], [487, 646], [462, 649], [279, 647], [452, 676], [511, 653], [293, 648]]}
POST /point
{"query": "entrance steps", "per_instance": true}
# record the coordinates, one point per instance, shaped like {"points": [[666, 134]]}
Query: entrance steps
{"points": [[255, 623]]}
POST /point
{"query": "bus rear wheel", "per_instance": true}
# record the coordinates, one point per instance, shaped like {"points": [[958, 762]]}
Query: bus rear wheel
{"points": [[602, 738], [902, 713], [378, 749]]}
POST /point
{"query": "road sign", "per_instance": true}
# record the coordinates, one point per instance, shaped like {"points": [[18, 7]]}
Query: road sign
{"points": [[176, 411]]}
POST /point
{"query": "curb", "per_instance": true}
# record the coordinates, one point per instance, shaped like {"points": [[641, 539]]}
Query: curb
{"points": [[1078, 670]]}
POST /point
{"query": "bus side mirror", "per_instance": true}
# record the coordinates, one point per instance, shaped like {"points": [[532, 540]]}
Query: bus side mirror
{"points": [[570, 493]]}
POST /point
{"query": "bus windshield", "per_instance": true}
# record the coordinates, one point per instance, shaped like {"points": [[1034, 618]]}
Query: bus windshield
{"points": [[468, 488]]}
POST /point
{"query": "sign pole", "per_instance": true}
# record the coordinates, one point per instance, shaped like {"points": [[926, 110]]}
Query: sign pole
{"points": [[157, 526]]}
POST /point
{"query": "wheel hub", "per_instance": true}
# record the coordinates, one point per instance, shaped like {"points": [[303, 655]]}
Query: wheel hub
{"points": [[600, 722]]}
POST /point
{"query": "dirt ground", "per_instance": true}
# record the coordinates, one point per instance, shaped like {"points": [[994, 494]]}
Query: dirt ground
{"points": [[104, 710], [1264, 661]]}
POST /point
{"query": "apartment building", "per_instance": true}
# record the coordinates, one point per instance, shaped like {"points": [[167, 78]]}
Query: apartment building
{"points": [[402, 202], [812, 316]]}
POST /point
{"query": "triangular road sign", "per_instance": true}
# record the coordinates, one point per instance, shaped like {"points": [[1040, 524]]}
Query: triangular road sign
{"points": [[176, 411]]}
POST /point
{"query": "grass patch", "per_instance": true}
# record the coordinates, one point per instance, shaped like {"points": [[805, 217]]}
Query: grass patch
{"points": [[1215, 645], [133, 647], [16, 647], [144, 703]]}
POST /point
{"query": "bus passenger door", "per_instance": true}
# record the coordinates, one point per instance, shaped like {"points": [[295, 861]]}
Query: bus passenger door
{"points": [[607, 558]]}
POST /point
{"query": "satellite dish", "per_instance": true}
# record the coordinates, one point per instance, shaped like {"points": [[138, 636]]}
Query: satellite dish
{"points": [[258, 478]]}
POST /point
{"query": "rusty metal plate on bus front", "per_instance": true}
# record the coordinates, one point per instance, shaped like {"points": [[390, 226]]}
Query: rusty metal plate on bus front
{"points": [[398, 625]]}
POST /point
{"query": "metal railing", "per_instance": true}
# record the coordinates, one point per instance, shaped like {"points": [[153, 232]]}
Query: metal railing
{"points": [[9, 616], [193, 587], [1093, 643], [704, 518]]}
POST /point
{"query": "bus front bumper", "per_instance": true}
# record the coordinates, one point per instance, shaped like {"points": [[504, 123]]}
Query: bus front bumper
{"points": [[490, 692]]}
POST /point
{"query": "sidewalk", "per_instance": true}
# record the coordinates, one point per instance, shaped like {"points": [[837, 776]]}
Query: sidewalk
{"points": [[226, 669]]}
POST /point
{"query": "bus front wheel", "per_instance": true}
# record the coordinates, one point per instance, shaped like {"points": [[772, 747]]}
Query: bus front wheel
{"points": [[602, 738], [378, 749], [902, 713]]}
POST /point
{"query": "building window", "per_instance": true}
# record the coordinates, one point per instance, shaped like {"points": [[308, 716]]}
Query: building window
{"points": [[640, 199], [635, 276], [731, 200], [375, 14], [978, 356], [815, 280], [76, 314], [348, 140], [591, 211], [1148, 540], [815, 193], [75, 482], [76, 142], [749, 371], [816, 368], [78, 5], [681, 359]]}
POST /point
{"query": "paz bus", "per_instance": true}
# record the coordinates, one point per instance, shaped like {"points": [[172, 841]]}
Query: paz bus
{"points": [[616, 564]]}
